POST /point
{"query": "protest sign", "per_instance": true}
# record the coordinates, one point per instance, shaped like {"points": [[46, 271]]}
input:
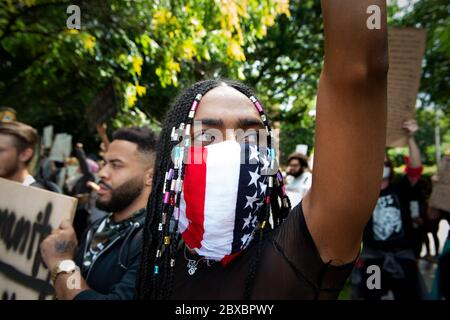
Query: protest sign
{"points": [[61, 148], [27, 216], [47, 137], [406, 50], [102, 107], [440, 197]]}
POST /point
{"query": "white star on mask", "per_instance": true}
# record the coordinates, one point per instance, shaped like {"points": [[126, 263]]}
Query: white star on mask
{"points": [[263, 188], [254, 221], [255, 176], [254, 153], [245, 238], [266, 164], [250, 201], [247, 221]]}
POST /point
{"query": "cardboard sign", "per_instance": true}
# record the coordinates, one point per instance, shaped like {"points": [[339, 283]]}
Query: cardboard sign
{"points": [[102, 107], [27, 216], [406, 50], [440, 197]]}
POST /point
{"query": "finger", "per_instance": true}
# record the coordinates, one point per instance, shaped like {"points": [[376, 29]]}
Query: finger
{"points": [[93, 185]]}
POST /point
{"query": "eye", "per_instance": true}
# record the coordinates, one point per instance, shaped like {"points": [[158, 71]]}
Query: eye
{"points": [[116, 165], [204, 137], [251, 137]]}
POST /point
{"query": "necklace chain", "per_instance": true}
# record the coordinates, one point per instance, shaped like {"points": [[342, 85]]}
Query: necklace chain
{"points": [[192, 265]]}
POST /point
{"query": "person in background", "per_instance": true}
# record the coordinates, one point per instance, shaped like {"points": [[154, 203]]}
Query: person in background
{"points": [[107, 258], [298, 179], [441, 284], [80, 189], [388, 240], [17, 145]]}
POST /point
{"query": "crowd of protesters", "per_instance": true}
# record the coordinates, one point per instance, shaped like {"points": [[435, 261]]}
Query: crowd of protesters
{"points": [[151, 223]]}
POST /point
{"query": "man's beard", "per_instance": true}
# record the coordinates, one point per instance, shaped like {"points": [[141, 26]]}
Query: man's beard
{"points": [[296, 174], [122, 196]]}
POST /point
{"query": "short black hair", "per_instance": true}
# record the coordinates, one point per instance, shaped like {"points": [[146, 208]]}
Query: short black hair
{"points": [[143, 137]]}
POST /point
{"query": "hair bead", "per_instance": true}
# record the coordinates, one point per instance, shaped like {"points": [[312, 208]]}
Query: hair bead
{"points": [[166, 197]]}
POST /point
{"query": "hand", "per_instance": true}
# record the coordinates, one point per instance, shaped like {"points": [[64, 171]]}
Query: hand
{"points": [[101, 128], [60, 245], [410, 126], [79, 145]]}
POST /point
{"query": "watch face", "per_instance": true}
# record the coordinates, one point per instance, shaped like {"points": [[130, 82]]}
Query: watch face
{"points": [[67, 265]]}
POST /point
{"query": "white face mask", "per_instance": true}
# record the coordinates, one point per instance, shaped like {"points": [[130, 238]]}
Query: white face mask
{"points": [[386, 172]]}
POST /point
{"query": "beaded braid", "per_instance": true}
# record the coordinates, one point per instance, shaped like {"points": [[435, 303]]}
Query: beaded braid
{"points": [[166, 233]]}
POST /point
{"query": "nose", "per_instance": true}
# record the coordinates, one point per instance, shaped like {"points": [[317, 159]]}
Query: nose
{"points": [[103, 173]]}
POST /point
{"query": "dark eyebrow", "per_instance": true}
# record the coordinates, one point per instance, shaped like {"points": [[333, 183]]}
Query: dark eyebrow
{"points": [[114, 161], [211, 122], [250, 122]]}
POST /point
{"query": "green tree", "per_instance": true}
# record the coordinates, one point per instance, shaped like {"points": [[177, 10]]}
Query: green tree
{"points": [[147, 49], [284, 67]]}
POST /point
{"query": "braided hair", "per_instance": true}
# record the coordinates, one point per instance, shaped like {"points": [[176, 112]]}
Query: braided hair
{"points": [[161, 236]]}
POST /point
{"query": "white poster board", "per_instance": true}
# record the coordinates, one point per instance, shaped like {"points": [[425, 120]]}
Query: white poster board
{"points": [[302, 148], [62, 147], [47, 137], [27, 216]]}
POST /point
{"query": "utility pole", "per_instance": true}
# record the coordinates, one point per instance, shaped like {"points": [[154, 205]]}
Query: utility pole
{"points": [[437, 135]]}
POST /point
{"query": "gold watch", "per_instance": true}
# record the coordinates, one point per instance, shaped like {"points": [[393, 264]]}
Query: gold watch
{"points": [[64, 266]]}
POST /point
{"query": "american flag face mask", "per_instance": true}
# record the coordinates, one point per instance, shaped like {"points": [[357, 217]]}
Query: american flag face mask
{"points": [[224, 188]]}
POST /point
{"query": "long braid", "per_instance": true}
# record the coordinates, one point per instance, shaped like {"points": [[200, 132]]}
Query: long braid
{"points": [[146, 286], [161, 239]]}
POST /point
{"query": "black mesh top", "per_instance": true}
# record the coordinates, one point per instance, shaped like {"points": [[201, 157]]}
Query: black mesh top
{"points": [[290, 267]]}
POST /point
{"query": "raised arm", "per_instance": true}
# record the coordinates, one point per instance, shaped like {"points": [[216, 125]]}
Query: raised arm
{"points": [[414, 152], [350, 128]]}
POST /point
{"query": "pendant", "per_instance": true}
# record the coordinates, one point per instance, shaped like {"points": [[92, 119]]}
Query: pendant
{"points": [[192, 267]]}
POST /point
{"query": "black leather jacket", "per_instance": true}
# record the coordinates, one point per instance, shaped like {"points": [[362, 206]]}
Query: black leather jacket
{"points": [[112, 275]]}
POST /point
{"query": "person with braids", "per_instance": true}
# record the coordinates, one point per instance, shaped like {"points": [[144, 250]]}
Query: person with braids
{"points": [[208, 232]]}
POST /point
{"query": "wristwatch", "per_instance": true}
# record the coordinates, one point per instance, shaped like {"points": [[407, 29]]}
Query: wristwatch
{"points": [[64, 266]]}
